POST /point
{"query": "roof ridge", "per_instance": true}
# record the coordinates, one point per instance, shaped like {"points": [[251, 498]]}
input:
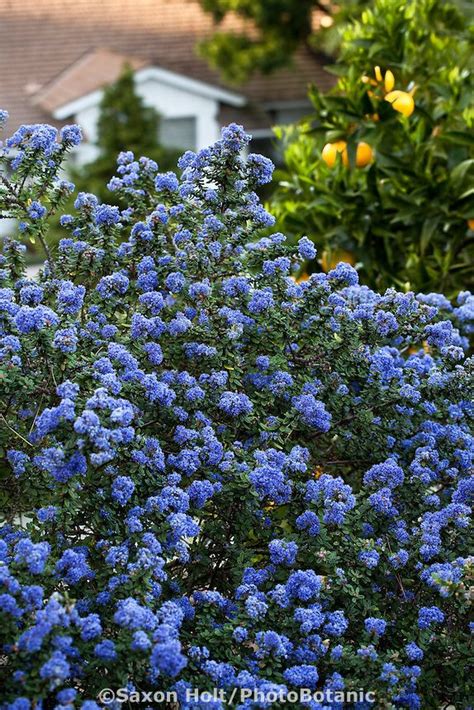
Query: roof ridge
{"points": [[39, 96]]}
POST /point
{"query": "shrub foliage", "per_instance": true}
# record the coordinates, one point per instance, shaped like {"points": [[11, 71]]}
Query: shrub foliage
{"points": [[219, 477]]}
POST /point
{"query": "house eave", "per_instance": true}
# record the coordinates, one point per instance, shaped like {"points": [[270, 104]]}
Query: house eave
{"points": [[164, 76]]}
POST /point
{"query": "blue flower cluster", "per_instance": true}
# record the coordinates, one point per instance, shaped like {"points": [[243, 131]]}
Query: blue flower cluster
{"points": [[221, 476]]}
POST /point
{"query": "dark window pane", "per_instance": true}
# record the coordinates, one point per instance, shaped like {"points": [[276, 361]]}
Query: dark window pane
{"points": [[178, 133]]}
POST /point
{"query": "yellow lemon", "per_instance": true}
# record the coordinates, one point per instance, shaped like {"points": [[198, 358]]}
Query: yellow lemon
{"points": [[389, 80], [401, 101], [330, 259], [331, 150], [364, 155], [318, 472], [302, 277]]}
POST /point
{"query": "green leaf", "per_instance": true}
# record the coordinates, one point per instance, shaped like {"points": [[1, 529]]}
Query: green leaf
{"points": [[428, 230], [458, 174]]}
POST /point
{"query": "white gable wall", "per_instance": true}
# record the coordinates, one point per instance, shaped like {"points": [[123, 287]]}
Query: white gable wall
{"points": [[173, 102], [87, 119]]}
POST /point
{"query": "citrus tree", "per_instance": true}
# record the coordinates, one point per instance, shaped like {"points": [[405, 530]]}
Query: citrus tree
{"points": [[382, 174]]}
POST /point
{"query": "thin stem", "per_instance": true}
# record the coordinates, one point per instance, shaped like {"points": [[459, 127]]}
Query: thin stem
{"points": [[15, 432], [47, 252]]}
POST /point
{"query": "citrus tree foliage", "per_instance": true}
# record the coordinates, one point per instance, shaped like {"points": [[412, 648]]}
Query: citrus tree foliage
{"points": [[404, 98], [227, 479]]}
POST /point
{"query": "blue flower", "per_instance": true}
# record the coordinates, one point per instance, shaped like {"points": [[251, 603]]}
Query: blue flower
{"points": [[310, 619], [166, 181], [71, 134], [256, 608], [106, 215], [386, 474], [385, 322], [306, 248], [36, 210], [56, 668], [375, 626], [413, 651], [370, 558], [260, 168], [382, 502], [47, 514], [70, 297], [31, 294], [167, 658], [303, 585], [105, 651], [269, 477], [66, 696], [261, 300], [28, 320], [312, 412], [72, 567], [66, 340], [235, 403], [90, 627], [175, 282], [389, 674], [122, 489], [335, 495], [308, 521], [18, 461], [283, 552], [240, 634], [8, 605], [344, 274], [302, 676], [34, 555], [336, 623], [112, 285], [368, 652], [429, 615]]}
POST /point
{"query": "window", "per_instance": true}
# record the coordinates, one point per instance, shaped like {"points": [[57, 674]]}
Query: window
{"points": [[178, 133], [264, 140], [284, 116]]}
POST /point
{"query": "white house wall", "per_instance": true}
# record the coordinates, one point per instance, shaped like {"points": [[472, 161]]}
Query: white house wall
{"points": [[170, 102], [87, 119]]}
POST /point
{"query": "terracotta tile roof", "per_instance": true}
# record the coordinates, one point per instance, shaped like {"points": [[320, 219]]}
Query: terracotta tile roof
{"points": [[44, 44], [93, 71]]}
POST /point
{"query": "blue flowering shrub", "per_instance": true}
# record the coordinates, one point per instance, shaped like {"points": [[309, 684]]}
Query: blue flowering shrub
{"points": [[219, 477]]}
